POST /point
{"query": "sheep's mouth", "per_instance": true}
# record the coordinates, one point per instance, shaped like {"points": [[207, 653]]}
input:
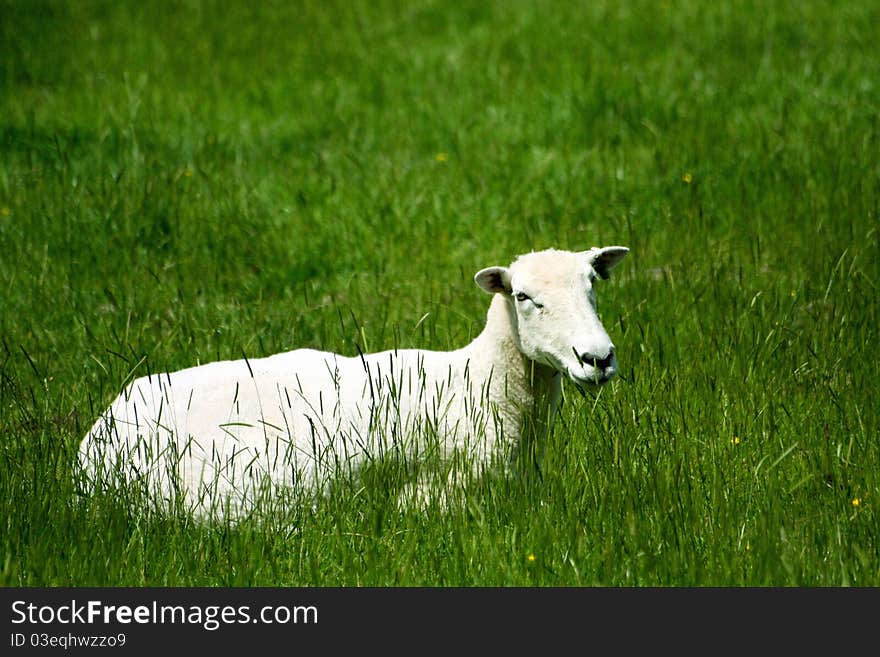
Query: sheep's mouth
{"points": [[598, 378]]}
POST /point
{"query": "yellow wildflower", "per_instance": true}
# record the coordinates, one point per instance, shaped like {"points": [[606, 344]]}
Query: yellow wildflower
{"points": [[687, 178], [441, 157]]}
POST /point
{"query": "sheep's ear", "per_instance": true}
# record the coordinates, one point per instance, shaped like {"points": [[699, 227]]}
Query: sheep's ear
{"points": [[605, 259], [494, 280]]}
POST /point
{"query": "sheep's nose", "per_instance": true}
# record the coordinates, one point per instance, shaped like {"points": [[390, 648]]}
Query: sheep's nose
{"points": [[599, 363]]}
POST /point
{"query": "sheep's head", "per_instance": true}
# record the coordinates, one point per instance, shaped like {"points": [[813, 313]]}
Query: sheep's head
{"points": [[550, 295]]}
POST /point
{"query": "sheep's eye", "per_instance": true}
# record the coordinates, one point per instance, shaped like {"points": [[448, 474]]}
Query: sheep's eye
{"points": [[522, 296]]}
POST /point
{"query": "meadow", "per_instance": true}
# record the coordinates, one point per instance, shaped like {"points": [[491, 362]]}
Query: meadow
{"points": [[182, 182]]}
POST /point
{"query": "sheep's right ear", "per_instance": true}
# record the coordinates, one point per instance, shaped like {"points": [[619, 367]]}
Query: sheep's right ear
{"points": [[494, 280]]}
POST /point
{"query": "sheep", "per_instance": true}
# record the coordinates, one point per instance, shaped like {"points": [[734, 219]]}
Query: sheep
{"points": [[217, 435]]}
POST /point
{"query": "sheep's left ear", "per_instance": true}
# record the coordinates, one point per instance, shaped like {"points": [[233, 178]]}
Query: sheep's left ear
{"points": [[605, 259], [494, 280]]}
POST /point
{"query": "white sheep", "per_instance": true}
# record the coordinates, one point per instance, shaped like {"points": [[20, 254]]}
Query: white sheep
{"points": [[219, 435]]}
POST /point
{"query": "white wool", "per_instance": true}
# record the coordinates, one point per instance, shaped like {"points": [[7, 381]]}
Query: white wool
{"points": [[211, 436]]}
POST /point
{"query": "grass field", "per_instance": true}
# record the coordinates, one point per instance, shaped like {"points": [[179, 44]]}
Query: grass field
{"points": [[184, 182]]}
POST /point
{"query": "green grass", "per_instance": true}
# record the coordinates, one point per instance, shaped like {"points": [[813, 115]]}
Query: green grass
{"points": [[185, 182]]}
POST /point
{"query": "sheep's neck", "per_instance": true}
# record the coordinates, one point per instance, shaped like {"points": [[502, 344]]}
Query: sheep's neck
{"points": [[522, 386]]}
